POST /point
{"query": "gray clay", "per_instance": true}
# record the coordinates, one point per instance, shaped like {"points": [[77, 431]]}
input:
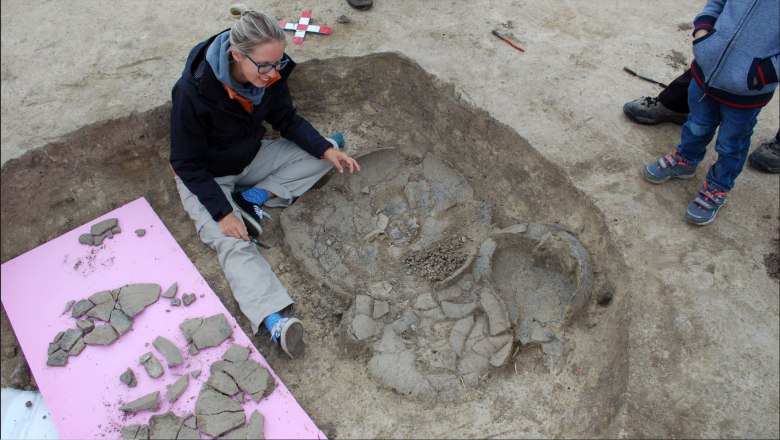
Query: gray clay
{"points": [[178, 388], [251, 378], [195, 374], [149, 402], [101, 335], [128, 378], [188, 298], [103, 227], [86, 239], [236, 353], [68, 306], [120, 322], [131, 431], [208, 332], [169, 350], [70, 337], [216, 413], [152, 365], [140, 232], [81, 307], [58, 358], [85, 325], [223, 383], [77, 348], [133, 298], [101, 297], [171, 291], [102, 311], [165, 426], [175, 302], [254, 428]]}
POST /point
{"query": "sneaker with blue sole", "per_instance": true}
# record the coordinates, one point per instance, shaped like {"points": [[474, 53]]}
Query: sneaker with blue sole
{"points": [[251, 213], [287, 333], [705, 206], [671, 166]]}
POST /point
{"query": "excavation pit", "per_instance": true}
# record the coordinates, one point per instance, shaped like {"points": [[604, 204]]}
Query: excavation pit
{"points": [[447, 178]]}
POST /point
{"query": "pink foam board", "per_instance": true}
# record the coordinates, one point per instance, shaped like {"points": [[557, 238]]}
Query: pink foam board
{"points": [[85, 395]]}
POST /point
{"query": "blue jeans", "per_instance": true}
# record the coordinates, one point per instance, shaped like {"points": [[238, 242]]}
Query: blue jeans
{"points": [[732, 145]]}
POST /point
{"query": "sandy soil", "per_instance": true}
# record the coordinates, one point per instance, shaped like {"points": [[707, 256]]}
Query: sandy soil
{"points": [[680, 338]]}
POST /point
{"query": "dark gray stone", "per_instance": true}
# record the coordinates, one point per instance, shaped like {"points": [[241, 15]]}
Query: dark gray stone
{"points": [[169, 350], [149, 402]]}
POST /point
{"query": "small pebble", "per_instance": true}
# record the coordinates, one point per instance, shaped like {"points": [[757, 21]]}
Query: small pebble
{"points": [[343, 19], [28, 404], [140, 232]]}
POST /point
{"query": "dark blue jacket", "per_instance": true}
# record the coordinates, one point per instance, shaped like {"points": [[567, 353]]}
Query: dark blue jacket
{"points": [[743, 46], [213, 136]]}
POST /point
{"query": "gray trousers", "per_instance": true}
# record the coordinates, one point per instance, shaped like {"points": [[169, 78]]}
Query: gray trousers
{"points": [[281, 168]]}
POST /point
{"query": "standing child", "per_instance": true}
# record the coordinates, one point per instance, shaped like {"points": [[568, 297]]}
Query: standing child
{"points": [[736, 50]]}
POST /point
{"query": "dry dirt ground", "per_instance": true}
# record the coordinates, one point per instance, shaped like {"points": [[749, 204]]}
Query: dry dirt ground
{"points": [[680, 336]]}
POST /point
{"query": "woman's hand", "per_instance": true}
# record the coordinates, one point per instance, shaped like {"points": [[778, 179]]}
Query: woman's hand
{"points": [[341, 160], [232, 226]]}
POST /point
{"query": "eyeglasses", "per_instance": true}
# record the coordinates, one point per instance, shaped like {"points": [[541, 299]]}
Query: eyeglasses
{"points": [[265, 67]]}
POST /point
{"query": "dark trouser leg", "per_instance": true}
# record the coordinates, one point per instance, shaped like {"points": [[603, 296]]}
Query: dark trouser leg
{"points": [[675, 95]]}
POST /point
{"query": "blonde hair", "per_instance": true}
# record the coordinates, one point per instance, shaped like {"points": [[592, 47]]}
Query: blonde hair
{"points": [[253, 28]]}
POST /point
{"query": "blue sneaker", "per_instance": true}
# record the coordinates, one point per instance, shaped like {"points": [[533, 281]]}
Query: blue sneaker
{"points": [[705, 206], [287, 333], [668, 167]]}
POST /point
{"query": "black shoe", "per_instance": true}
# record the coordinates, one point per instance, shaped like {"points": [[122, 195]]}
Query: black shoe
{"points": [[650, 111], [251, 213], [767, 157], [361, 4]]}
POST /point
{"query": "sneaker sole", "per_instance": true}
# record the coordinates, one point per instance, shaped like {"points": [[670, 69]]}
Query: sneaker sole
{"points": [[652, 179], [650, 121], [291, 339], [697, 221], [762, 167], [250, 223]]}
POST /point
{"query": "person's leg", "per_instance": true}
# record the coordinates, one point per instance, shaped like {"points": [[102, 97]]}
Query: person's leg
{"points": [[732, 145], [284, 170], [675, 95], [767, 156], [671, 105], [697, 132], [255, 287]]}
